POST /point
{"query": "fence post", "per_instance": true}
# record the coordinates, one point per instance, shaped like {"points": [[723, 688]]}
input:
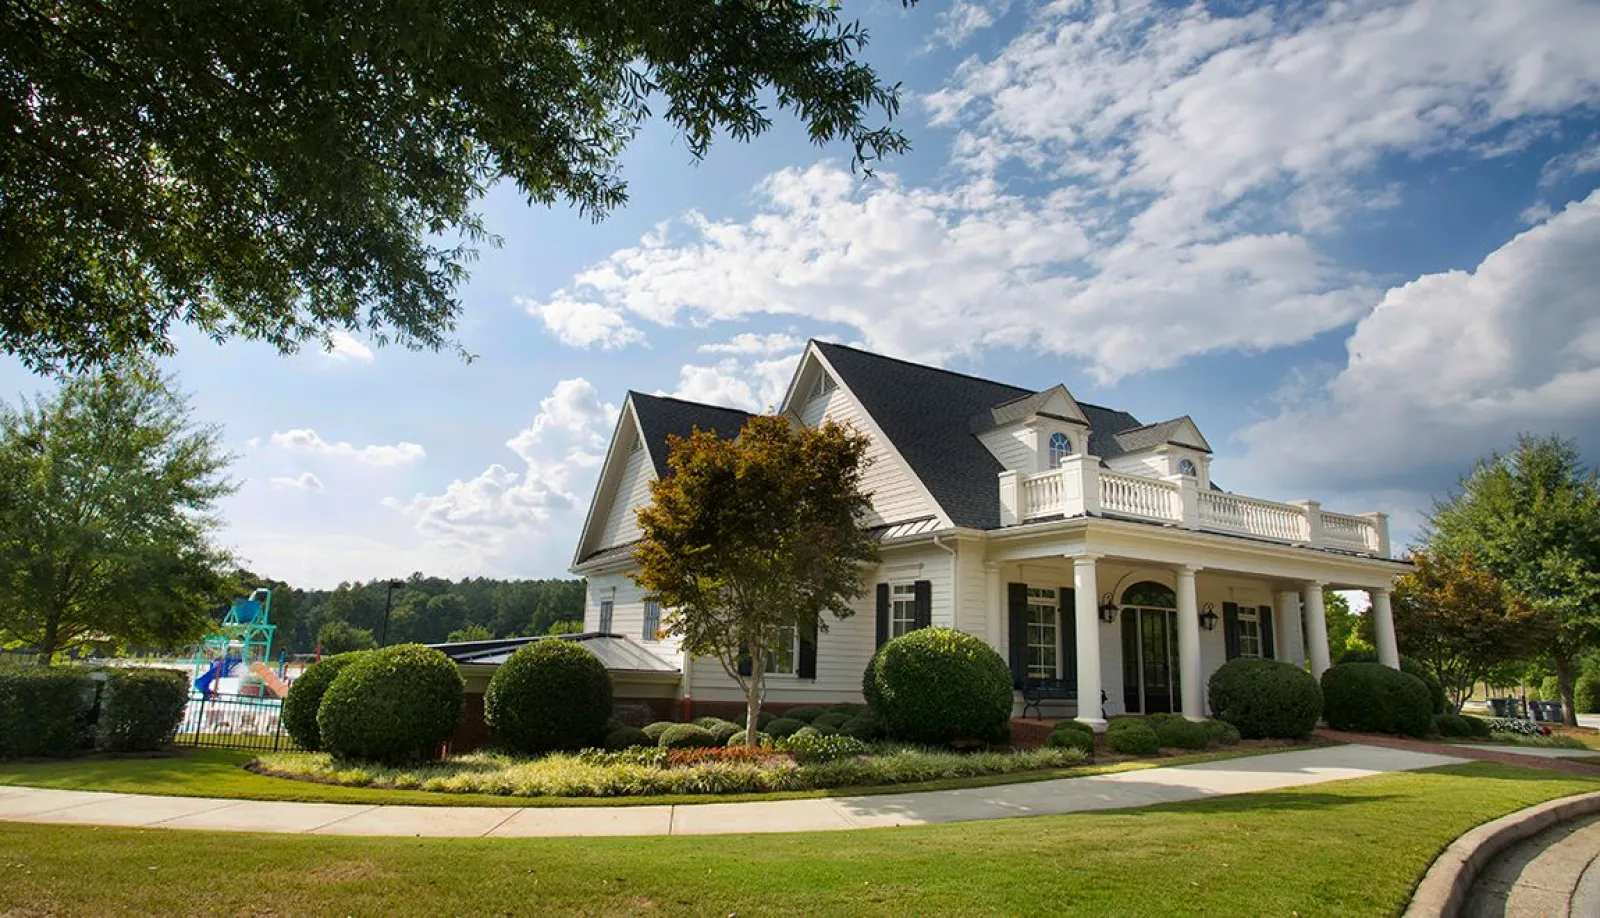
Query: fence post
{"points": [[277, 729], [200, 721]]}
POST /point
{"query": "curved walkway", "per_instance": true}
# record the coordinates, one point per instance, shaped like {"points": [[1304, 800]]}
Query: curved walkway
{"points": [[1041, 798], [1553, 873]]}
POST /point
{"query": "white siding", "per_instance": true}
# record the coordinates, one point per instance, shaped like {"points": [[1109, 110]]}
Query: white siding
{"points": [[895, 494], [1013, 445], [1147, 464], [627, 613], [972, 603], [631, 493]]}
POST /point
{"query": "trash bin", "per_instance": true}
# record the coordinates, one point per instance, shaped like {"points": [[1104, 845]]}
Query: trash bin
{"points": [[1547, 711], [1503, 707]]}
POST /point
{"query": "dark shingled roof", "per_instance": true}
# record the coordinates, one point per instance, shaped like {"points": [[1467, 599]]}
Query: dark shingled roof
{"points": [[1152, 435], [617, 651], [926, 412], [661, 417]]}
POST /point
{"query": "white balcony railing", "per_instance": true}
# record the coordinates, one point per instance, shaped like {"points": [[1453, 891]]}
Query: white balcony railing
{"points": [[1081, 488]]}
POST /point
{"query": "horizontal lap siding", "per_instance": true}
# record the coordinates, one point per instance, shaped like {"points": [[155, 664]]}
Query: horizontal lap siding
{"points": [[1144, 464], [1013, 446], [895, 495], [627, 613], [632, 492], [972, 606]]}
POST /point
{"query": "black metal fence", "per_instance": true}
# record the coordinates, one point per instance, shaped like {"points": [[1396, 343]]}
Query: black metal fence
{"points": [[234, 722]]}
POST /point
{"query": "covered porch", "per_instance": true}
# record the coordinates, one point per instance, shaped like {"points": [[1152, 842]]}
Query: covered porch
{"points": [[1137, 618]]}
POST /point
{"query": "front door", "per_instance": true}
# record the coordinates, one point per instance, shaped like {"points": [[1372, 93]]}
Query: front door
{"points": [[1150, 661]]}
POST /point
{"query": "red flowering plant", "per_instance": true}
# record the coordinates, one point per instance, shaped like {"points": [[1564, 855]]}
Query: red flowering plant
{"points": [[754, 754]]}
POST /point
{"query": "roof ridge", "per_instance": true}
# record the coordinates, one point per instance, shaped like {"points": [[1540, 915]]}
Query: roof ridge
{"points": [[684, 401], [922, 366]]}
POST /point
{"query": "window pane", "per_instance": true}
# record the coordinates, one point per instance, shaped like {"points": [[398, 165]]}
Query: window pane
{"points": [[1041, 634], [782, 660]]}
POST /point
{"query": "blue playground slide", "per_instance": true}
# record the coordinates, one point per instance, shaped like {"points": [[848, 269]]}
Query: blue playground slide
{"points": [[217, 670]]}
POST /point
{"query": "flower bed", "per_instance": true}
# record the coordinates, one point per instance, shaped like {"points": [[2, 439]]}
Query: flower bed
{"points": [[654, 772]]}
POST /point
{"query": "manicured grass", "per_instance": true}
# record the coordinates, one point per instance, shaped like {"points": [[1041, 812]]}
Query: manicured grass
{"points": [[1344, 848], [221, 773]]}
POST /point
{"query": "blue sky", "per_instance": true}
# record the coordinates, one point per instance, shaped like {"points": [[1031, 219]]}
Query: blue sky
{"points": [[1359, 244]]}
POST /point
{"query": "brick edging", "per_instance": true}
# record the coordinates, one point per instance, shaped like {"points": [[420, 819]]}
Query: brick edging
{"points": [[1443, 890]]}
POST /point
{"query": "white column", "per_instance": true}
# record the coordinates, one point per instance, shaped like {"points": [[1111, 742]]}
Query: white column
{"points": [[1317, 636], [1292, 643], [1189, 644], [1383, 624], [995, 596], [1087, 615]]}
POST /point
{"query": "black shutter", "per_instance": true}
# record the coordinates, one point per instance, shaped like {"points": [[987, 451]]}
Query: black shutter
{"points": [[806, 666], [744, 662], [923, 594], [1264, 613], [1230, 628], [883, 614], [1017, 597], [1069, 636]]}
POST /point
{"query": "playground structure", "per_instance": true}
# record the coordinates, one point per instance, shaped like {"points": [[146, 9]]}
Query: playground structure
{"points": [[236, 659]]}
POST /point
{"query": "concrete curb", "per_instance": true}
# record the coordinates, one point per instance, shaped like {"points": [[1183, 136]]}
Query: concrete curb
{"points": [[1443, 890]]}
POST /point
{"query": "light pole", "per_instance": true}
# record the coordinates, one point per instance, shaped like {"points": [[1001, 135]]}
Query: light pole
{"points": [[388, 602]]}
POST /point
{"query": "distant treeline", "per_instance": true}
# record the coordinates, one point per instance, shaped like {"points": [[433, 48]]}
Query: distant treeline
{"points": [[426, 610]]}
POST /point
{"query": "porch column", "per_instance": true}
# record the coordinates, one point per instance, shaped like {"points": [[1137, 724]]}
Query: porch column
{"points": [[1189, 644], [1086, 608], [995, 597], [1292, 646], [1383, 624], [1317, 622]]}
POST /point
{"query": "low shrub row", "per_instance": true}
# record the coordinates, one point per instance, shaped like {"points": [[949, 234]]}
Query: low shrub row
{"points": [[389, 705], [49, 711]]}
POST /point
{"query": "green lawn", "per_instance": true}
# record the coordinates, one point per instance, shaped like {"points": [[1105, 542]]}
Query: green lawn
{"points": [[220, 773], [1344, 848]]}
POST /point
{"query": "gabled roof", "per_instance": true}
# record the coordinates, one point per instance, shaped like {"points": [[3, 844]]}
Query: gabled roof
{"points": [[1181, 430], [617, 651], [1027, 406], [661, 416], [926, 413]]}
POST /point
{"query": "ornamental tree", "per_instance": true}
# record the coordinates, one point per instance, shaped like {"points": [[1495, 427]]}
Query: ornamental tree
{"points": [[1460, 621], [107, 520], [280, 171], [748, 542], [1532, 519]]}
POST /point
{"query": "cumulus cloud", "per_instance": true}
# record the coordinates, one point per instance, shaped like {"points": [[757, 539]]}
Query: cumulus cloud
{"points": [[965, 18], [305, 481], [306, 440], [1450, 367], [583, 324], [747, 343], [344, 347], [573, 408]]}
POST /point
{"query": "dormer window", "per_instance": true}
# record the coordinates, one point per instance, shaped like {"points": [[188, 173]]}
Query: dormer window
{"points": [[1060, 449], [1186, 467]]}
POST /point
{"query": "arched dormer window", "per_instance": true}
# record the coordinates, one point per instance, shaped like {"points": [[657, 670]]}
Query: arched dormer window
{"points": [[1186, 467], [1060, 449]]}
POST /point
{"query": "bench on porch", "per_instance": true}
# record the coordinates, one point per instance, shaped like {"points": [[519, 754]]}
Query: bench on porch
{"points": [[1035, 691]]}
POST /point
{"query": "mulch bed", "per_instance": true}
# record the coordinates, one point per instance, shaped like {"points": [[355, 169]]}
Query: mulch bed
{"points": [[1482, 753]]}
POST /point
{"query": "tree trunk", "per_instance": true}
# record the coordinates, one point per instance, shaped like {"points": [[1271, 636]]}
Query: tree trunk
{"points": [[1564, 679], [47, 646], [752, 704]]}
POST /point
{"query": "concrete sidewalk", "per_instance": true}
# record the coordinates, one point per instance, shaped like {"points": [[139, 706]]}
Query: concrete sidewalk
{"points": [[1040, 798], [1540, 752], [1554, 873]]}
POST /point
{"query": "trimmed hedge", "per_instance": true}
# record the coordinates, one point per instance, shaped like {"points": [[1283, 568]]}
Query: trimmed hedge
{"points": [[810, 747], [1480, 728], [686, 736], [1069, 734], [831, 719], [762, 739], [1436, 693], [848, 708], [626, 737], [44, 711], [864, 726], [762, 719], [1265, 699], [1221, 732], [141, 709], [391, 705], [549, 695], [1372, 698], [1182, 733], [1586, 695], [300, 706], [722, 729], [1132, 736], [805, 712], [655, 730], [1451, 725], [939, 685], [782, 727]]}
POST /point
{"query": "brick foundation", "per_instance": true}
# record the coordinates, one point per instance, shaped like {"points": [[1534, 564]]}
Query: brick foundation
{"points": [[472, 732]]}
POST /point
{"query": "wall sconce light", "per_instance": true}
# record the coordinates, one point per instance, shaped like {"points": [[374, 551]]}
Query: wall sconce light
{"points": [[1108, 609], [1208, 618]]}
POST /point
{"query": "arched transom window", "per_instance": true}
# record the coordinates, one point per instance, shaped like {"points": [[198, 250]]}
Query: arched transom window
{"points": [[1060, 449], [1186, 467], [1150, 595]]}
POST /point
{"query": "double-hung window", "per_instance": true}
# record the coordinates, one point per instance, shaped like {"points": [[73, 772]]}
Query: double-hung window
{"points": [[605, 615], [1043, 637], [1249, 632], [902, 609], [782, 661], [652, 620]]}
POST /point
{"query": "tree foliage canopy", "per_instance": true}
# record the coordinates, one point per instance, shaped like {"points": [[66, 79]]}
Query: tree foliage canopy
{"points": [[281, 169], [106, 514], [751, 540]]}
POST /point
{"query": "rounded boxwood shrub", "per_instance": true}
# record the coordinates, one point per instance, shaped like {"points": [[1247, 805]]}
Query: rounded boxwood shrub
{"points": [[1069, 734], [805, 712], [1451, 725], [141, 709], [1372, 698], [762, 739], [1182, 733], [1436, 694], [1586, 695], [549, 695], [686, 736], [847, 708], [1478, 726], [391, 705], [1221, 732], [721, 731], [762, 719], [938, 685], [1265, 699], [655, 730], [626, 737], [864, 726], [810, 746], [44, 710], [832, 719], [1132, 736], [300, 706], [783, 727]]}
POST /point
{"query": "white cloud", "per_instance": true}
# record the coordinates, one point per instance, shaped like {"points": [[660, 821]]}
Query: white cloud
{"points": [[574, 408], [305, 440], [1450, 367], [305, 481], [344, 347], [747, 343], [966, 18], [1582, 161], [583, 324], [755, 385], [252, 443]]}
